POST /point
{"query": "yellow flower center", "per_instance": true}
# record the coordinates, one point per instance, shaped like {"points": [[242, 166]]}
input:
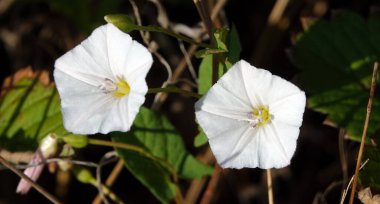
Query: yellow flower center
{"points": [[123, 88], [261, 115]]}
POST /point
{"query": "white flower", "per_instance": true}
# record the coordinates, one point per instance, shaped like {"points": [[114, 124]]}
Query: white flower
{"points": [[251, 118], [102, 82]]}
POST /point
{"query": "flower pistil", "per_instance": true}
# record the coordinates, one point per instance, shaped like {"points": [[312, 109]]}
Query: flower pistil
{"points": [[119, 88], [260, 116]]}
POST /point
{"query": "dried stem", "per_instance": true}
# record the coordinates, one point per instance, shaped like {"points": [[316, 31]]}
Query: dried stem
{"points": [[343, 158], [191, 50], [30, 181], [344, 194], [210, 190], [361, 149], [270, 187], [111, 179]]}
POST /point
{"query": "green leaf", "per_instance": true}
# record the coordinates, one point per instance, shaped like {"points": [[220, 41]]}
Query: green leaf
{"points": [[336, 59], [233, 45], [205, 74], [30, 110], [154, 132], [200, 139], [226, 40], [123, 22], [369, 175]]}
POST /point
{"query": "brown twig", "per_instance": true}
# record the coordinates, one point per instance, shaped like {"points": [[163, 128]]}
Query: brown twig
{"points": [[343, 157], [191, 50], [111, 179], [210, 190], [344, 194], [361, 149], [30, 181], [270, 186]]}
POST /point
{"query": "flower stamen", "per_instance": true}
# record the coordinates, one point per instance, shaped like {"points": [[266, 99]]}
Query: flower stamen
{"points": [[123, 88], [260, 116], [108, 86], [119, 88]]}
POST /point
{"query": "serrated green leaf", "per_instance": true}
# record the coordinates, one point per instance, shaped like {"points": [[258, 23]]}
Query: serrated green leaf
{"points": [[29, 111], [153, 132], [336, 59]]}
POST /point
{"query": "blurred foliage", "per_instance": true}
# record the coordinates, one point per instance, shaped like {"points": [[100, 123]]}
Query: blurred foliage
{"points": [[29, 109], [153, 131], [369, 176], [336, 59], [85, 14], [200, 139]]}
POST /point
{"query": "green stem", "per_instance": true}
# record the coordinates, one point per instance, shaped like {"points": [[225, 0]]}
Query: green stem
{"points": [[174, 90], [136, 149], [171, 33]]}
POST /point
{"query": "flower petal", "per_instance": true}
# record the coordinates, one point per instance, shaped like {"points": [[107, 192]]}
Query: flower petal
{"points": [[127, 57], [221, 131], [226, 98], [290, 109], [266, 148], [82, 105], [89, 58]]}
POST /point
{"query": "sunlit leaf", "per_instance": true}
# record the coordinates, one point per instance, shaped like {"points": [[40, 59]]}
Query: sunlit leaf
{"points": [[153, 132], [29, 110]]}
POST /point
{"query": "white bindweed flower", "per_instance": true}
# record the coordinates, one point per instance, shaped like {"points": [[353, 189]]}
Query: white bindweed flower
{"points": [[251, 118], [102, 82]]}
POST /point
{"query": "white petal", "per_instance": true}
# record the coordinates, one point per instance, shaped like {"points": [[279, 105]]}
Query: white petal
{"points": [[89, 58], [226, 99], [290, 109], [271, 146], [221, 131], [79, 104], [127, 57], [278, 144]]}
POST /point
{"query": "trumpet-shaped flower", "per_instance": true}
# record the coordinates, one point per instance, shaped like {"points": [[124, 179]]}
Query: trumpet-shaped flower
{"points": [[252, 118], [101, 82]]}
